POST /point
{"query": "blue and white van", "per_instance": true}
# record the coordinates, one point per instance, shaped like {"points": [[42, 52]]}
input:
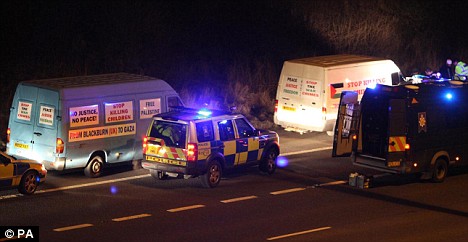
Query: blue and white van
{"points": [[85, 121]]}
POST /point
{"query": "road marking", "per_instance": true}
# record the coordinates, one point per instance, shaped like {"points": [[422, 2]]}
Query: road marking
{"points": [[79, 226], [298, 233], [92, 184], [10, 196], [173, 210], [331, 183], [287, 191], [143, 215], [238, 199], [307, 151], [135, 177]]}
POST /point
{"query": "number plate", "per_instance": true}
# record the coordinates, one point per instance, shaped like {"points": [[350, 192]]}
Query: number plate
{"points": [[166, 161], [393, 163], [22, 146], [289, 108]]}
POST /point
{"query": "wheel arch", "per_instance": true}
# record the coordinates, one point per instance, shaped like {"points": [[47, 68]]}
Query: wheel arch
{"points": [[100, 153], [271, 145]]}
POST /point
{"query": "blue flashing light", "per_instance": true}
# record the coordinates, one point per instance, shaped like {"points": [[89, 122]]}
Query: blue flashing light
{"points": [[282, 161], [113, 189], [204, 112], [449, 96], [223, 122], [372, 85]]}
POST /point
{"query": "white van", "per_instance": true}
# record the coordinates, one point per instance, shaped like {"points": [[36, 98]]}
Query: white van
{"points": [[86, 121], [309, 89]]}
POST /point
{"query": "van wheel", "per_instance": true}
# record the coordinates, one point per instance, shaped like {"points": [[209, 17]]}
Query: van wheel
{"points": [[440, 170], [94, 167], [28, 183], [212, 177], [268, 163], [158, 175]]}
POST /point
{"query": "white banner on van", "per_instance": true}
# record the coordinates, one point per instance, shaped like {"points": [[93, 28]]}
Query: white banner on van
{"points": [[119, 112], [84, 115], [304, 88], [150, 107], [46, 115], [24, 111], [101, 132]]}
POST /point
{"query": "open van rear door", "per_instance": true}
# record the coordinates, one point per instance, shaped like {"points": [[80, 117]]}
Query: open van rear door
{"points": [[347, 124]]}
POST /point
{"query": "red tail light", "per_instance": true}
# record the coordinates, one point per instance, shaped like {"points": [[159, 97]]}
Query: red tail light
{"points": [[59, 146], [145, 144], [192, 152], [276, 106], [8, 132]]}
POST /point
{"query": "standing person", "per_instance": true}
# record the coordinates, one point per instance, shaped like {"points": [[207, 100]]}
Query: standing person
{"points": [[461, 70], [446, 70]]}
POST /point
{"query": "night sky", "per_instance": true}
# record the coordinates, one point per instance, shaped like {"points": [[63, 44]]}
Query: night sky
{"points": [[211, 43]]}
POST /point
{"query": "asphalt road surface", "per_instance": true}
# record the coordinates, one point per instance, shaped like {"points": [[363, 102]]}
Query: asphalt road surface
{"points": [[309, 199]]}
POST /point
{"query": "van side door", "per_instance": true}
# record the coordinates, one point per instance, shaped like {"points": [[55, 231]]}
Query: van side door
{"points": [[347, 124]]}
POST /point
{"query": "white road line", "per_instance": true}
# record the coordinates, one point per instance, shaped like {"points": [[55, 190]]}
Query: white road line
{"points": [[92, 184], [306, 151], [331, 183], [79, 226], [238, 199], [143, 215], [287, 191], [173, 210], [298, 233], [135, 177]]}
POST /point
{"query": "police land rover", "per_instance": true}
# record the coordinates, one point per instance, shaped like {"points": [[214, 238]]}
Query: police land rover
{"points": [[203, 143]]}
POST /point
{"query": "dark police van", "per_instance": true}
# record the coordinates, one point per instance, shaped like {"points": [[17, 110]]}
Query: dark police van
{"points": [[414, 128]]}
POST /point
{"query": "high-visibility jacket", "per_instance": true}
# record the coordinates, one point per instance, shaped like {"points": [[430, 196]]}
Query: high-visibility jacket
{"points": [[461, 71]]}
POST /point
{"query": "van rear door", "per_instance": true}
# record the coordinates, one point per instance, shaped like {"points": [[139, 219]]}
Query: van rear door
{"points": [[33, 123], [21, 122], [45, 128], [347, 124]]}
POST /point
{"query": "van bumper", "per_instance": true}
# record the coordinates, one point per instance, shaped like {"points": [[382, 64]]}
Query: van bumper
{"points": [[58, 164], [379, 164], [185, 170]]}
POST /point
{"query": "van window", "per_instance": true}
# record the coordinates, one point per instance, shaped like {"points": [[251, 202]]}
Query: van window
{"points": [[205, 131], [174, 102], [173, 134], [244, 129], [226, 131]]}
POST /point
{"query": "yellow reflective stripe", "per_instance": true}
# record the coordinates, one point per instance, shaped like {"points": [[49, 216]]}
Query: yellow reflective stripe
{"points": [[6, 171], [181, 154], [242, 157], [229, 147], [254, 144], [396, 143], [260, 152]]}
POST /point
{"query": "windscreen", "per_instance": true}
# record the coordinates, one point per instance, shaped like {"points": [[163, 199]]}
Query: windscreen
{"points": [[173, 134]]}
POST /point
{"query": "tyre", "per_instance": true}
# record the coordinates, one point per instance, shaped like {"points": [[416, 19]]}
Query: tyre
{"points": [[268, 163], [158, 175], [212, 177], [94, 167], [440, 170], [28, 183]]}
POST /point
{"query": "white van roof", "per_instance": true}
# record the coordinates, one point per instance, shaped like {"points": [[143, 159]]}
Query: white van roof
{"points": [[335, 60], [101, 85]]}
